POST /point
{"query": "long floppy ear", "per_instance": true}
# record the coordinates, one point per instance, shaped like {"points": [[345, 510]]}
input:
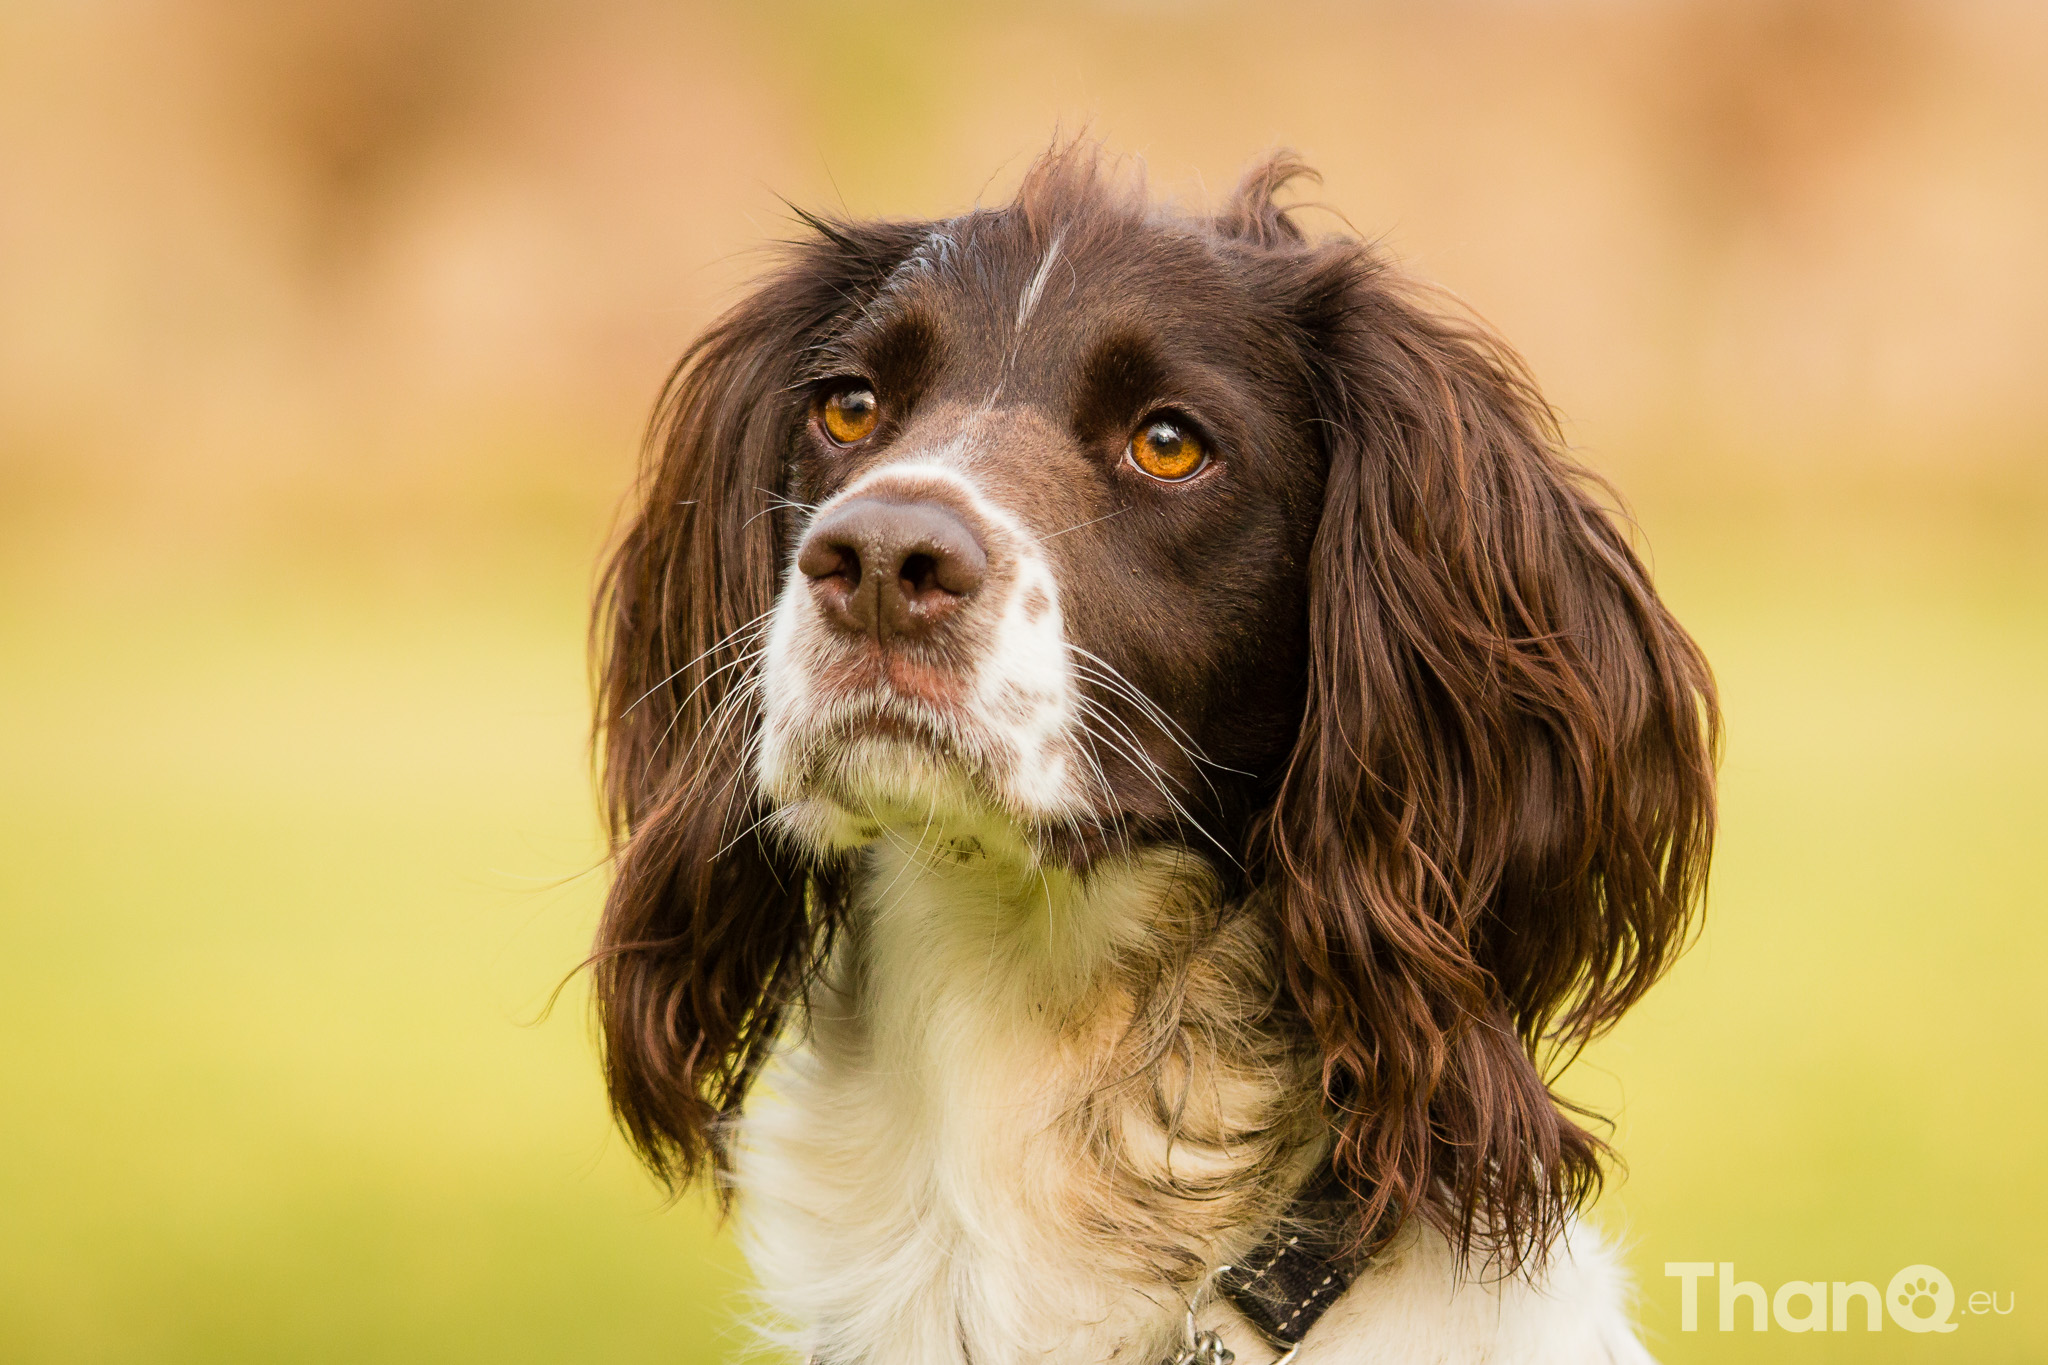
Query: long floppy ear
{"points": [[1498, 816], [705, 937]]}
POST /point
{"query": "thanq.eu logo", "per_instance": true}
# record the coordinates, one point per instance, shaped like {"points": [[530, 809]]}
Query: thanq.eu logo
{"points": [[1918, 1299]]}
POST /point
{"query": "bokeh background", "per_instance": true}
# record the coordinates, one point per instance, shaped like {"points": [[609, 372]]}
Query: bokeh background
{"points": [[327, 332]]}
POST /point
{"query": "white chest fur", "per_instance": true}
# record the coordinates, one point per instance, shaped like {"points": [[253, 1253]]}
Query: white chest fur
{"points": [[991, 1143], [986, 1146]]}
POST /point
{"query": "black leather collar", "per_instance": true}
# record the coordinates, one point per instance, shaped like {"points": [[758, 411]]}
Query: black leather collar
{"points": [[1286, 1284]]}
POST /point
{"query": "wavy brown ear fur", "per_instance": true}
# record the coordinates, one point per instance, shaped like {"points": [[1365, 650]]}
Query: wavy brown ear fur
{"points": [[1499, 813], [706, 936]]}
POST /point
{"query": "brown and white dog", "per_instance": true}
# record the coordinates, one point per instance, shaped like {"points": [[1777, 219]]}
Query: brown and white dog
{"points": [[1113, 720]]}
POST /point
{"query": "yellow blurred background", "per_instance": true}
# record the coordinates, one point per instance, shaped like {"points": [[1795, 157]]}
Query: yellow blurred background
{"points": [[327, 331]]}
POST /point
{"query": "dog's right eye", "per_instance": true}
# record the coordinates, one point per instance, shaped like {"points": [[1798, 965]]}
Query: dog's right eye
{"points": [[1168, 449], [849, 415]]}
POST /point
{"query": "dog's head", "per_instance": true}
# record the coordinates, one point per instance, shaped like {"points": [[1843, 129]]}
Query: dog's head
{"points": [[1077, 527]]}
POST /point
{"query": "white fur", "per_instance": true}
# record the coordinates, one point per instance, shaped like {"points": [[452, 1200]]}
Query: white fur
{"points": [[1028, 300], [904, 1178], [1416, 1304]]}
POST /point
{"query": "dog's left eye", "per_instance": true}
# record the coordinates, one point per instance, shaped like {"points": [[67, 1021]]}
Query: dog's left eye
{"points": [[849, 415], [1168, 449]]}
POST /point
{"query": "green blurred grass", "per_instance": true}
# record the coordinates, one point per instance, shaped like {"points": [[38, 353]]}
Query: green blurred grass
{"points": [[1849, 1074], [289, 858], [290, 847]]}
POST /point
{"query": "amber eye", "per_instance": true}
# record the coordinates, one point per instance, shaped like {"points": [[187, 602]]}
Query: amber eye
{"points": [[1167, 450], [849, 415]]}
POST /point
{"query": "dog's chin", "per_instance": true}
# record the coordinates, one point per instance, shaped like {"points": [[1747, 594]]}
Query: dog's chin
{"points": [[884, 782], [879, 781]]}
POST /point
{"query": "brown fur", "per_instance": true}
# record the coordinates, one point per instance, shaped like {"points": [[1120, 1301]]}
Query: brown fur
{"points": [[1463, 756]]}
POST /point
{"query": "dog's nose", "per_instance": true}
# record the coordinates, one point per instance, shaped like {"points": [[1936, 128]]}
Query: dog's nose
{"points": [[891, 568]]}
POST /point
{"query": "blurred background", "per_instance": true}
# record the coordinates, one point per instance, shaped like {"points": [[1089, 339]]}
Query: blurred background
{"points": [[327, 333]]}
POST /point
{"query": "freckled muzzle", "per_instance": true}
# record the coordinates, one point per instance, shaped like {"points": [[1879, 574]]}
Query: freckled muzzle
{"points": [[888, 568], [917, 661]]}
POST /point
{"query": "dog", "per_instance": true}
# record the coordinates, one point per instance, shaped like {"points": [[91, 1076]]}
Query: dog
{"points": [[1133, 754]]}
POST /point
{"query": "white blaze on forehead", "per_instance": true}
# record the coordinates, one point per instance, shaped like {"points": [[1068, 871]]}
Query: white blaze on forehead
{"points": [[1028, 300]]}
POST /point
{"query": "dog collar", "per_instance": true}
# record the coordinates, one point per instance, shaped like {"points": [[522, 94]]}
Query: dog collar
{"points": [[1285, 1285]]}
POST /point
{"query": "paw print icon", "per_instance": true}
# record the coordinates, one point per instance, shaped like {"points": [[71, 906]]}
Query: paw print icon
{"points": [[1920, 1299]]}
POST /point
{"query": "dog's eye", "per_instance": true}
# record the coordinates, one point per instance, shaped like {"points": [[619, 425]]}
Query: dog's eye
{"points": [[1167, 449], [849, 415]]}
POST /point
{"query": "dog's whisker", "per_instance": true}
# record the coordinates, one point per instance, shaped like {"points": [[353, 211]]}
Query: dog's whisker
{"points": [[1092, 521], [738, 696], [778, 502], [1137, 750], [1094, 665], [709, 650], [1148, 768]]}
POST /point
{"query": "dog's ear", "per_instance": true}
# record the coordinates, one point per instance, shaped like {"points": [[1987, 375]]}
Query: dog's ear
{"points": [[1498, 815], [706, 933]]}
